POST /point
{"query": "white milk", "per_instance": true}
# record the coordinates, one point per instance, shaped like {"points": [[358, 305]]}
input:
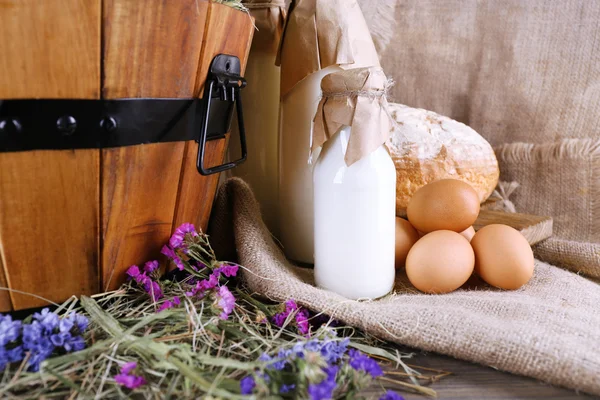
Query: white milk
{"points": [[354, 222], [260, 99], [298, 109]]}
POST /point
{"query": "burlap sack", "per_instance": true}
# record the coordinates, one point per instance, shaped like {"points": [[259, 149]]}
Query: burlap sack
{"points": [[515, 71], [549, 329], [562, 180]]}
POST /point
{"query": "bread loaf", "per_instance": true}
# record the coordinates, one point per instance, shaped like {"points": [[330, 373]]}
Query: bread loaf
{"points": [[426, 147]]}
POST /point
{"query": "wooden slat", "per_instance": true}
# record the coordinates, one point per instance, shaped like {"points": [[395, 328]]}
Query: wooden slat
{"points": [[49, 199], [535, 228], [151, 49], [5, 303], [228, 32]]}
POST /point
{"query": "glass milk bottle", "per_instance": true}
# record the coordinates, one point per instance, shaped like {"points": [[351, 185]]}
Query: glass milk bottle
{"points": [[261, 109], [354, 187], [321, 37]]}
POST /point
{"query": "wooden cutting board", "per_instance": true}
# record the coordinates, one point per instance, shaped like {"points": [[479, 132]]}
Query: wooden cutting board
{"points": [[535, 228]]}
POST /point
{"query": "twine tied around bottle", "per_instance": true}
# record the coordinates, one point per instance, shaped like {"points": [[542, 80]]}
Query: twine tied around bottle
{"points": [[356, 98]]}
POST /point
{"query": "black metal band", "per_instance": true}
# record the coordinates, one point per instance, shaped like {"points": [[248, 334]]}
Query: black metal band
{"points": [[81, 124], [91, 124]]}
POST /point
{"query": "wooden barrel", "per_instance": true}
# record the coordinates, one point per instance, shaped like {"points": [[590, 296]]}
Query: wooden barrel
{"points": [[72, 221]]}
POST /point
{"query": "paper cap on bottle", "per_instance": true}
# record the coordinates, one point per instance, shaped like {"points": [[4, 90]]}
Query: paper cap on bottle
{"points": [[356, 98]]}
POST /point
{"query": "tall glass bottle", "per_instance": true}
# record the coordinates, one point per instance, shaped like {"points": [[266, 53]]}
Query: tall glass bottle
{"points": [[321, 36], [354, 186], [261, 109]]}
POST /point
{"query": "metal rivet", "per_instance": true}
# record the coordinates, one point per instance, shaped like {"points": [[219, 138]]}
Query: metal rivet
{"points": [[66, 125], [9, 126], [108, 124]]}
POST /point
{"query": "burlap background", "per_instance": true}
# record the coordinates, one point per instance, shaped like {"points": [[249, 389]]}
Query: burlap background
{"points": [[526, 76], [549, 329]]}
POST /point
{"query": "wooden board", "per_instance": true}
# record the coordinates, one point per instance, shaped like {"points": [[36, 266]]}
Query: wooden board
{"points": [[151, 49], [49, 210], [470, 381], [533, 227], [196, 192]]}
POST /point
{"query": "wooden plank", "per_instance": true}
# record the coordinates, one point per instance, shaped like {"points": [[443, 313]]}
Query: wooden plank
{"points": [[229, 31], [49, 199], [5, 303], [151, 49], [470, 381], [535, 228]]}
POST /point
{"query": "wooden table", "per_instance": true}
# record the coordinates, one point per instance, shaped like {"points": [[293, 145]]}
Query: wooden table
{"points": [[472, 381]]}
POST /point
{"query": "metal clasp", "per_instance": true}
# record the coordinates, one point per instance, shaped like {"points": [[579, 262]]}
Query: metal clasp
{"points": [[221, 93]]}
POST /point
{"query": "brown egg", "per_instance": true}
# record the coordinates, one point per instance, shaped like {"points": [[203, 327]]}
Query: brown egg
{"points": [[406, 237], [440, 262], [468, 233], [503, 257], [447, 204]]}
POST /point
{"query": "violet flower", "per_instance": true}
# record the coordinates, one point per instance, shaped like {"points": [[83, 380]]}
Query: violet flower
{"points": [[247, 385], [361, 362], [225, 301], [391, 395], [127, 379], [324, 389], [48, 333], [10, 331]]}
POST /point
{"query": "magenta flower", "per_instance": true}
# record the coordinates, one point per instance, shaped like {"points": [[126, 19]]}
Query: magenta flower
{"points": [[302, 321], [133, 272], [150, 266], [301, 317], [127, 379], [128, 367], [176, 240], [225, 301], [227, 270], [169, 304], [167, 251]]}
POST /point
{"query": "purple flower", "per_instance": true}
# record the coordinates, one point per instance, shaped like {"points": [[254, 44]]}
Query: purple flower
{"points": [[204, 285], [391, 395], [133, 272], [324, 389], [287, 388], [9, 330], [36, 340], [247, 385], [169, 304], [176, 240], [301, 317], [225, 301], [8, 356], [128, 367], [227, 270], [302, 321], [130, 381], [332, 351], [47, 319], [150, 266], [153, 289], [167, 251], [127, 379], [362, 362], [79, 321], [74, 343]]}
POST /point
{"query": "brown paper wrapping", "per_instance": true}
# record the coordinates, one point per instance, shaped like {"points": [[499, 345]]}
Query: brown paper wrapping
{"points": [[269, 18], [320, 33], [356, 98]]}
